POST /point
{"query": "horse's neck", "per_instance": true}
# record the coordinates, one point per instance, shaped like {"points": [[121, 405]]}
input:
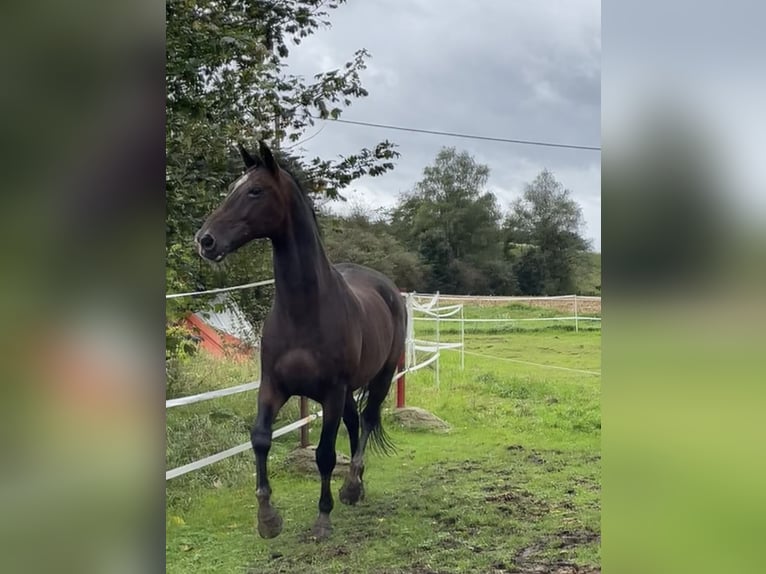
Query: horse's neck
{"points": [[301, 267]]}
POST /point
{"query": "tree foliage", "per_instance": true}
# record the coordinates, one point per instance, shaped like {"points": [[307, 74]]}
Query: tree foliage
{"points": [[545, 227], [227, 82], [452, 221], [359, 238]]}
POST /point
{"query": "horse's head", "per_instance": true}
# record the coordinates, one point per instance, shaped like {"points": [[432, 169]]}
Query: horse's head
{"points": [[256, 207]]}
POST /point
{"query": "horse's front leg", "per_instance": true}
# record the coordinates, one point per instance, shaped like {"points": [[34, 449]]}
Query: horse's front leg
{"points": [[269, 403], [332, 409]]}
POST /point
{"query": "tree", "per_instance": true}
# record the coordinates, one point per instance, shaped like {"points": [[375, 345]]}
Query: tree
{"points": [[359, 239], [543, 231], [227, 82], [452, 221]]}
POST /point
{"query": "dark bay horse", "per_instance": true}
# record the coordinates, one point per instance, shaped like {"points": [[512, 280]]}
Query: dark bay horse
{"points": [[331, 330]]}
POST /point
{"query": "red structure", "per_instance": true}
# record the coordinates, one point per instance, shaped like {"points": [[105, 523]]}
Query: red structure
{"points": [[216, 342]]}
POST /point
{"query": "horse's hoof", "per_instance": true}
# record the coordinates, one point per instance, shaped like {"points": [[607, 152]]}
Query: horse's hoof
{"points": [[322, 528], [351, 492], [269, 524]]}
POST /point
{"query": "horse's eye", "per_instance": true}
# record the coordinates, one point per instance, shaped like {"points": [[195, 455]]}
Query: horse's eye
{"points": [[254, 192]]}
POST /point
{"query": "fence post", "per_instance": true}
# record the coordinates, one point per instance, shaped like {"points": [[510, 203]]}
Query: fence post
{"points": [[577, 328], [462, 338], [400, 383], [305, 428], [410, 360], [438, 340]]}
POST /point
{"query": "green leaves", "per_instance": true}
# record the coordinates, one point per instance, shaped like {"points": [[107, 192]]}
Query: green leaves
{"points": [[548, 223], [359, 239], [453, 223], [227, 82]]}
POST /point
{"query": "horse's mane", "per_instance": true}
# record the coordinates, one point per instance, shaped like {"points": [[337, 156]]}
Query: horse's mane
{"points": [[293, 166]]}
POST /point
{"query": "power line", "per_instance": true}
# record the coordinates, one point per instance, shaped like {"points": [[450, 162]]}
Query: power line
{"points": [[467, 136]]}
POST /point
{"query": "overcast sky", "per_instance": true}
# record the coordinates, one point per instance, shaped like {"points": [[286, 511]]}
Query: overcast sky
{"points": [[501, 68]]}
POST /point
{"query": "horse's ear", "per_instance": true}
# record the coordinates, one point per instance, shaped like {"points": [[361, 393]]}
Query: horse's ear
{"points": [[268, 158], [249, 160]]}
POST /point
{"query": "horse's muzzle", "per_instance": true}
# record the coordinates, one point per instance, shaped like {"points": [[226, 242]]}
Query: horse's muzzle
{"points": [[208, 247]]}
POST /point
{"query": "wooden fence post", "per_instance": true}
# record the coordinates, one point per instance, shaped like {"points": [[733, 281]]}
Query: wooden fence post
{"points": [[304, 428]]}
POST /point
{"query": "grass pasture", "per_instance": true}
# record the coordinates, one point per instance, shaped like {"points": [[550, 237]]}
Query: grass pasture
{"points": [[513, 487]]}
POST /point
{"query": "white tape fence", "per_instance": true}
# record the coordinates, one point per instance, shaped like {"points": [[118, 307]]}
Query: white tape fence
{"points": [[450, 310], [420, 304], [221, 290], [414, 344]]}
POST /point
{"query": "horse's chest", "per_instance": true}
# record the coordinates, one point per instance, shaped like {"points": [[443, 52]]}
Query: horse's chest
{"points": [[299, 365], [316, 352]]}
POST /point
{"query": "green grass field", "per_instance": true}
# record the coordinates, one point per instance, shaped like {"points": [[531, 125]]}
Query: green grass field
{"points": [[513, 487]]}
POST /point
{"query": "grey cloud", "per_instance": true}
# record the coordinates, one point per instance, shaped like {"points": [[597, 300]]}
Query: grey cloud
{"points": [[504, 69]]}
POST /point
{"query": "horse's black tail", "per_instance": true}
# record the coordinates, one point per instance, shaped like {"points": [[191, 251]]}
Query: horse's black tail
{"points": [[379, 441]]}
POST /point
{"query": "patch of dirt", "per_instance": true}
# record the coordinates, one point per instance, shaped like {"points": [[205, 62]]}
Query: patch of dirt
{"points": [[502, 490], [588, 483], [414, 569], [421, 570], [340, 551], [518, 502], [415, 418], [444, 519], [553, 459], [449, 469], [570, 539], [566, 505], [535, 458], [303, 460], [554, 568], [448, 543], [530, 560]]}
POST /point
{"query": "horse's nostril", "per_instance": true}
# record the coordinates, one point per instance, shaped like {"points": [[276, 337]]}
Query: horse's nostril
{"points": [[207, 241]]}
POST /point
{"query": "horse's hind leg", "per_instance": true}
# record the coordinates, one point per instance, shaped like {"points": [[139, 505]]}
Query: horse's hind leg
{"points": [[353, 488], [351, 420]]}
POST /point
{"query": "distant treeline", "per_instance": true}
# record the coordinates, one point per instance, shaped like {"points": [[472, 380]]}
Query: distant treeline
{"points": [[449, 234]]}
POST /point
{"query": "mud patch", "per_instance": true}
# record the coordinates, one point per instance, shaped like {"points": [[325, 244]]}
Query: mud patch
{"points": [[532, 559], [518, 502], [553, 568], [483, 506], [464, 466], [414, 569], [535, 458], [572, 539], [340, 551]]}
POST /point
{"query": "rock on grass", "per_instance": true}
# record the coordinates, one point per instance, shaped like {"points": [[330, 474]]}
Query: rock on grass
{"points": [[303, 460], [415, 418]]}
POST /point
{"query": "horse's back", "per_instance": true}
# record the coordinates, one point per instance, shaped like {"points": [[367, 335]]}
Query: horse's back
{"points": [[364, 280], [385, 315]]}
